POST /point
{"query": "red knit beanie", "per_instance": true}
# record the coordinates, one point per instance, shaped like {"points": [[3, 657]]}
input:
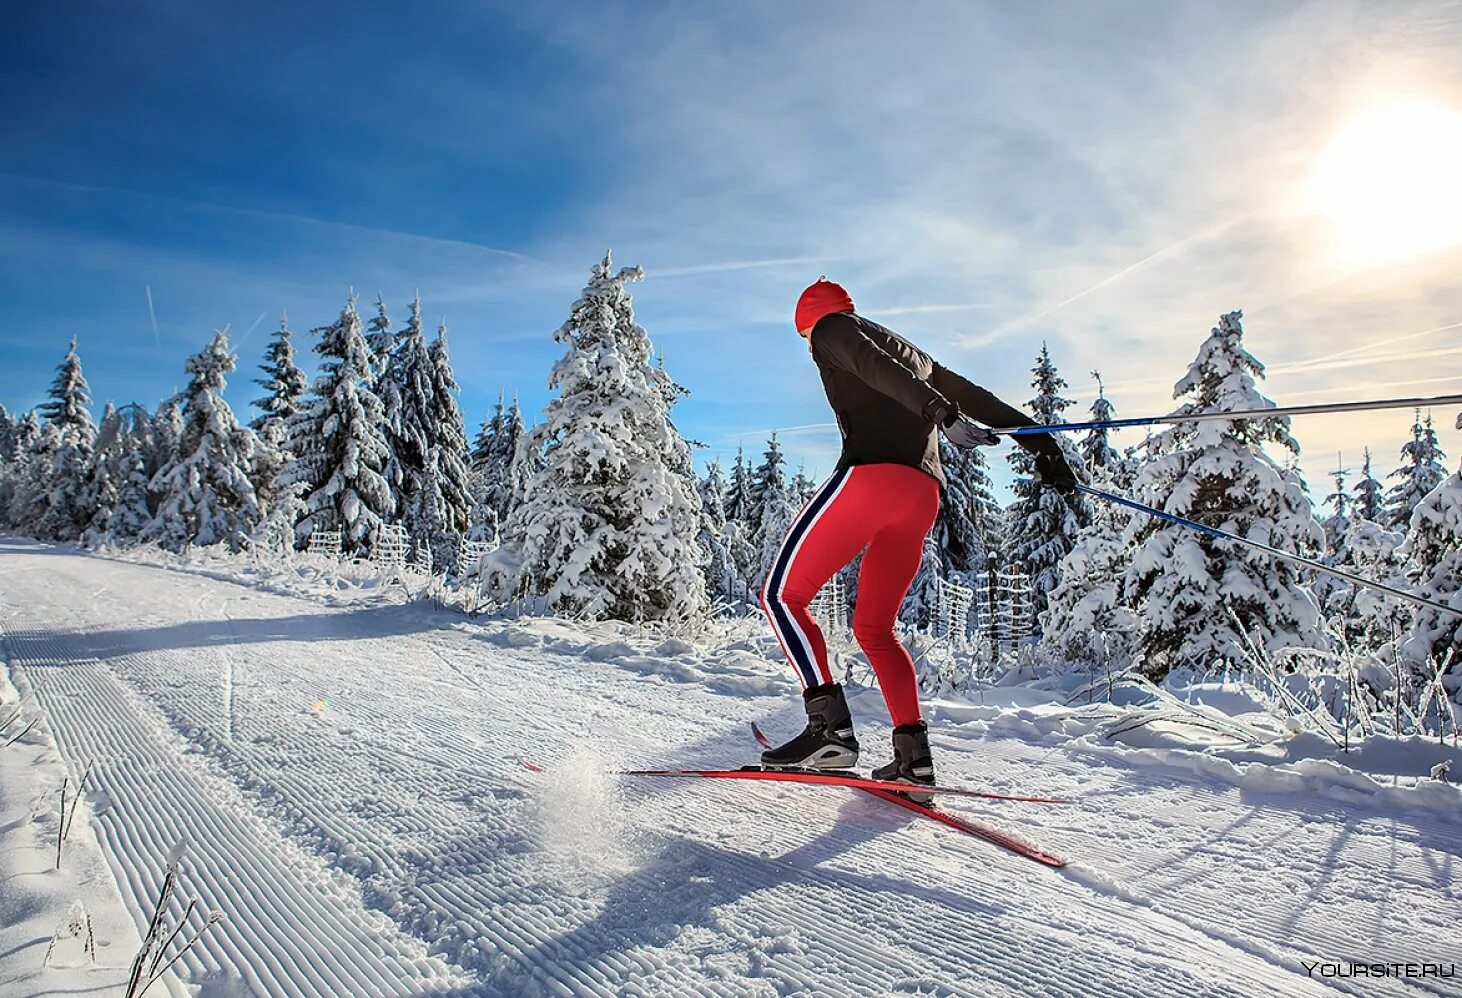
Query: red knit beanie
{"points": [[822, 298]]}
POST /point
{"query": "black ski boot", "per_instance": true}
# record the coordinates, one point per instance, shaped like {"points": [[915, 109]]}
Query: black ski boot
{"points": [[827, 742], [912, 761]]}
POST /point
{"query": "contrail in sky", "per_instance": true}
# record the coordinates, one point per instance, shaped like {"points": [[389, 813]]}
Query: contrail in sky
{"points": [[245, 337], [980, 339], [155, 338]]}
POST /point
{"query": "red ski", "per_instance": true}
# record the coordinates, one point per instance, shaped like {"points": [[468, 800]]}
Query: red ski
{"points": [[978, 829], [832, 779]]}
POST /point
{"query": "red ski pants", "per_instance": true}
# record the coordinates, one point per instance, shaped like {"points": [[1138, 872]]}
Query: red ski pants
{"points": [[887, 508]]}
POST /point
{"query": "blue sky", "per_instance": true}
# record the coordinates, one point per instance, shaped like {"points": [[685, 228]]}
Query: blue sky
{"points": [[1108, 177]]}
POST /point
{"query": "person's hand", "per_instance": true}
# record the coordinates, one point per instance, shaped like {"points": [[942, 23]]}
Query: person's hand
{"points": [[963, 433], [1053, 472]]}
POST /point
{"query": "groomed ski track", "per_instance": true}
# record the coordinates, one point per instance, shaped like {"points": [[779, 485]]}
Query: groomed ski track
{"points": [[348, 781]]}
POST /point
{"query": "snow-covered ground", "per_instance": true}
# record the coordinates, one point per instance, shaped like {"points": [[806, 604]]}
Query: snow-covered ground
{"points": [[347, 774]]}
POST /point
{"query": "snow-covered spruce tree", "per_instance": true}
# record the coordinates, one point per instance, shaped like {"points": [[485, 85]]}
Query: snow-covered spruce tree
{"points": [[720, 570], [607, 528], [1184, 585], [738, 490], [409, 406], [167, 431], [447, 462], [482, 443], [338, 443], [284, 383], [207, 496], [1433, 558], [70, 395], [1042, 524], [1338, 509], [1369, 496], [1366, 618], [969, 515], [1101, 459], [802, 486], [381, 342], [104, 475], [132, 512], [495, 462], [1421, 472], [773, 507], [35, 447], [64, 516], [956, 547], [9, 427], [1088, 624]]}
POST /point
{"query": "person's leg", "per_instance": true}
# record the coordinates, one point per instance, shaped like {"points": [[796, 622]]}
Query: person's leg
{"points": [[889, 567], [829, 531]]}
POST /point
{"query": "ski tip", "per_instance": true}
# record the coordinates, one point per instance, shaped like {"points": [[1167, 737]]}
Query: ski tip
{"points": [[760, 736], [530, 765]]}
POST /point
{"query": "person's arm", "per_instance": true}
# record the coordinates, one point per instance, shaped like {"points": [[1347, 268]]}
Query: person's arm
{"points": [[841, 343], [980, 404]]}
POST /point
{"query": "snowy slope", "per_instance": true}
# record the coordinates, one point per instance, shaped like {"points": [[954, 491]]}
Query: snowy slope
{"points": [[349, 780]]}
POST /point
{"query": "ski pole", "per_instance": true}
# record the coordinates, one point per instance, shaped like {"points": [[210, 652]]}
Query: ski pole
{"points": [[1198, 417], [1276, 552]]}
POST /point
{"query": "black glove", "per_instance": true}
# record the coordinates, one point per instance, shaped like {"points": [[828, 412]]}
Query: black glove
{"points": [[1053, 472], [962, 433]]}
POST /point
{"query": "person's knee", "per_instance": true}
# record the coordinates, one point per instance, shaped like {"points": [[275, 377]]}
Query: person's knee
{"points": [[874, 634]]}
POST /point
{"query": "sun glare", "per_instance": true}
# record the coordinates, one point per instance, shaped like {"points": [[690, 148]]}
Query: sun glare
{"points": [[1390, 182]]}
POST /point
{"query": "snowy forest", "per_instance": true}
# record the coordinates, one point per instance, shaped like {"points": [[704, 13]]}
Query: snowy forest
{"points": [[596, 508]]}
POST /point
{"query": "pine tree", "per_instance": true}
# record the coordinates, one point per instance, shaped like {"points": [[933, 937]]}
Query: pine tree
{"points": [[721, 572], [410, 412], [482, 446], [283, 381], [1433, 557], [1184, 585], [132, 512], [35, 448], [1370, 502], [1087, 623], [608, 527], [739, 505], [167, 430], [772, 506], [1364, 616], [338, 442], [103, 477], [286, 385], [957, 545], [1422, 472], [9, 428], [70, 395], [447, 478], [206, 495], [381, 342], [1339, 504], [1102, 461], [64, 516], [969, 515], [1043, 524]]}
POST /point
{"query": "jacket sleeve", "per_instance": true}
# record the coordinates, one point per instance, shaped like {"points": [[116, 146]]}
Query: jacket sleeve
{"points": [[841, 344], [982, 405]]}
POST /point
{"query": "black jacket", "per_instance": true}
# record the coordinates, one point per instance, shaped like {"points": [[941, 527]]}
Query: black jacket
{"points": [[890, 397]]}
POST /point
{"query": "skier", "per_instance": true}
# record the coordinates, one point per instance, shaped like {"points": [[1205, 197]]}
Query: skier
{"points": [[890, 399]]}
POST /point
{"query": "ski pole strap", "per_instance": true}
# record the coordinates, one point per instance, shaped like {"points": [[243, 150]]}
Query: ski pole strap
{"points": [[1276, 552], [1198, 417]]}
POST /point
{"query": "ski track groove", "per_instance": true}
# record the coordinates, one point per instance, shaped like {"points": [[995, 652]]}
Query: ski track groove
{"points": [[388, 785]]}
